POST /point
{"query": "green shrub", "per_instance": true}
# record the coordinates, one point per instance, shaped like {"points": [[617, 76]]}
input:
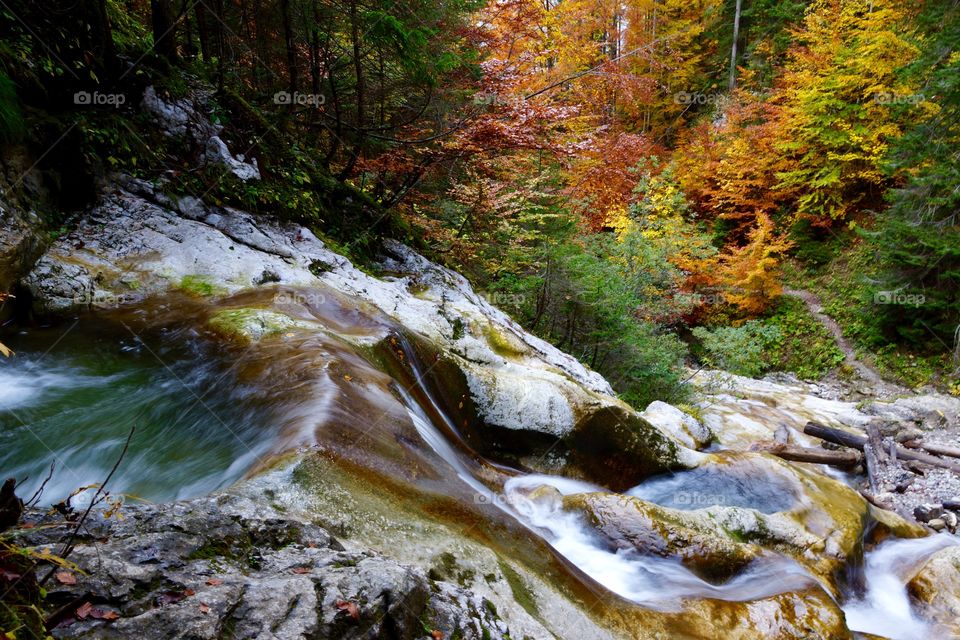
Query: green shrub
{"points": [[804, 346], [742, 350], [12, 128]]}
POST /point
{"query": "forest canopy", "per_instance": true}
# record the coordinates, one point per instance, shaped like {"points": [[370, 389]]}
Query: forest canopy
{"points": [[637, 181]]}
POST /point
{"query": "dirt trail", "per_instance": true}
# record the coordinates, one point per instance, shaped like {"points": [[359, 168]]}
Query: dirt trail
{"points": [[865, 371]]}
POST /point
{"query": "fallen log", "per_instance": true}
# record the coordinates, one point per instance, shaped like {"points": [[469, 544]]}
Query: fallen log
{"points": [[855, 441], [845, 459], [875, 457], [872, 466], [873, 499], [936, 449]]}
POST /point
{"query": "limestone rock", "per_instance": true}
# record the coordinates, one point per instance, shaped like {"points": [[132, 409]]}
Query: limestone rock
{"points": [[682, 426], [936, 590], [196, 569]]}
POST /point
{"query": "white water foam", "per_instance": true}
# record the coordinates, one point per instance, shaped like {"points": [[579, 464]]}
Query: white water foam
{"points": [[653, 581], [885, 608]]}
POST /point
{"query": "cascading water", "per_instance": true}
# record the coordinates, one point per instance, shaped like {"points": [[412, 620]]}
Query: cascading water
{"points": [[663, 583], [884, 609], [199, 431], [652, 581], [649, 580], [74, 404]]}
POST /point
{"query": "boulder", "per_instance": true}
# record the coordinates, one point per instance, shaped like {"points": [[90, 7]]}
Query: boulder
{"points": [[220, 566], [137, 242], [683, 427], [935, 589]]}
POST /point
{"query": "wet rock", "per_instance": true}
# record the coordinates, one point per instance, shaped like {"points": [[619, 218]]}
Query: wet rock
{"points": [[820, 522], [682, 426], [631, 523], [137, 243], [935, 589], [21, 237], [937, 524], [927, 512], [222, 565], [950, 519]]}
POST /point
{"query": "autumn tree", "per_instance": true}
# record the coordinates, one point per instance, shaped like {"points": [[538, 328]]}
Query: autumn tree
{"points": [[837, 100]]}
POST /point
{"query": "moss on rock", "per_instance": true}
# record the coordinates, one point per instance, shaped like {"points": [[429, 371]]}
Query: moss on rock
{"points": [[247, 325]]}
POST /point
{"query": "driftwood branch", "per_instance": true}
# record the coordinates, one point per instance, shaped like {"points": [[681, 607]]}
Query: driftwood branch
{"points": [[936, 449], [855, 441], [844, 459]]}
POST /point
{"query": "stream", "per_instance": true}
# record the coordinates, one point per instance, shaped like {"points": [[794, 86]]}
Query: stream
{"points": [[71, 396]]}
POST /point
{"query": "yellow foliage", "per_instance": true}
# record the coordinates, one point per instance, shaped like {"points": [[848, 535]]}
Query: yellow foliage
{"points": [[750, 275]]}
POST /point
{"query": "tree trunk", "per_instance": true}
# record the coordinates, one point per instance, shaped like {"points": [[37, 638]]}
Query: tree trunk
{"points": [[289, 45], [838, 436], [733, 48], [843, 459], [359, 88], [164, 22]]}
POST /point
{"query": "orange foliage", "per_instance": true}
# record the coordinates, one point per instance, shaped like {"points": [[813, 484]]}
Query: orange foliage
{"points": [[749, 276], [729, 171], [604, 178]]}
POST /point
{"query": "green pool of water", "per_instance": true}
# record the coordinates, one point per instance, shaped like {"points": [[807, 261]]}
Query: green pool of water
{"points": [[71, 395]]}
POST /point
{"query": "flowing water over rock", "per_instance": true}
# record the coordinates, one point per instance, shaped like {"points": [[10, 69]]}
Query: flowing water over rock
{"points": [[885, 609], [71, 396]]}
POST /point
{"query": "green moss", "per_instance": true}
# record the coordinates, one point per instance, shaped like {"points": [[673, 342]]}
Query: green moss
{"points": [[249, 324], [200, 286], [521, 593], [501, 343], [458, 328]]}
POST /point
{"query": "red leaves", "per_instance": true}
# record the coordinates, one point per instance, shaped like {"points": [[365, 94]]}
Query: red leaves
{"points": [[350, 608], [171, 597], [301, 570], [65, 577], [87, 610], [214, 582]]}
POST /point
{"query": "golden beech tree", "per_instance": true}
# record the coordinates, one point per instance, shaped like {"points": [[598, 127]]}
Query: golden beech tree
{"points": [[749, 276], [840, 96], [729, 169]]}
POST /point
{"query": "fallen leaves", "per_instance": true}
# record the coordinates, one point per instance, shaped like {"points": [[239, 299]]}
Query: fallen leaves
{"points": [[301, 570], [436, 634], [204, 608], [214, 582], [87, 610], [65, 577], [350, 608], [171, 597]]}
